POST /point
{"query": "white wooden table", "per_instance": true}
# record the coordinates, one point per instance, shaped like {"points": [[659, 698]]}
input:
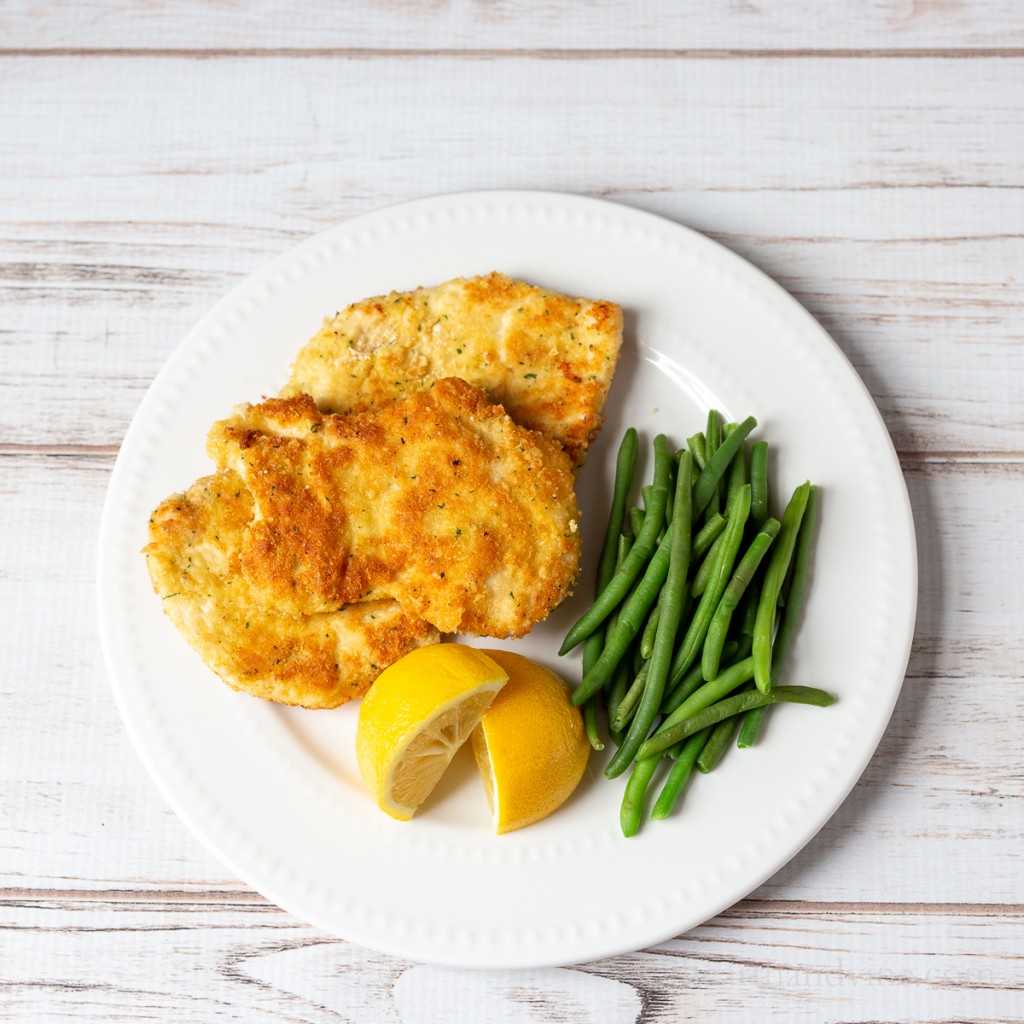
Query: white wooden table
{"points": [[868, 155]]}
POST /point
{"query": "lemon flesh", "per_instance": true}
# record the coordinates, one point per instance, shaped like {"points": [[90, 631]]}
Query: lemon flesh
{"points": [[416, 716], [430, 751]]}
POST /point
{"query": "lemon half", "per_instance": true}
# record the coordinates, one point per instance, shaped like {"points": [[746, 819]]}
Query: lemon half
{"points": [[415, 717], [530, 745]]}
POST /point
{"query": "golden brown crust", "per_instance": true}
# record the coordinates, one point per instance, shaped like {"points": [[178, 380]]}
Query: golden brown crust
{"points": [[547, 358], [318, 661], [439, 501]]}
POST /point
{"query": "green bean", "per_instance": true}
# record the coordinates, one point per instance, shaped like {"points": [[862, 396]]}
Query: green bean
{"points": [[724, 561], [631, 618], [720, 621], [713, 750], [737, 478], [798, 586], [698, 449], [632, 810], [782, 553], [622, 679], [693, 679], [647, 639], [687, 605], [741, 653], [707, 483], [733, 654], [703, 574], [743, 648], [748, 611], [754, 720], [707, 536], [623, 549], [636, 520], [625, 466], [668, 625], [749, 604], [751, 728], [679, 668], [592, 648], [594, 645], [627, 705], [736, 705], [638, 556], [619, 686], [712, 442], [680, 773], [759, 482], [736, 674], [590, 724], [670, 500], [638, 659]]}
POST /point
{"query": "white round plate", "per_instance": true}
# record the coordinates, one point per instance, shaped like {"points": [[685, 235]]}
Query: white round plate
{"points": [[274, 792]]}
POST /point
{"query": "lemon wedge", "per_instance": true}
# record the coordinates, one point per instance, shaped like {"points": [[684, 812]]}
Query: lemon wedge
{"points": [[416, 715], [530, 745]]}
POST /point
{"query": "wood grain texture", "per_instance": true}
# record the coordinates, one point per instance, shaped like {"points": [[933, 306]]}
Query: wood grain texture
{"points": [[903, 230], [761, 960], [941, 795], [867, 155], [561, 25]]}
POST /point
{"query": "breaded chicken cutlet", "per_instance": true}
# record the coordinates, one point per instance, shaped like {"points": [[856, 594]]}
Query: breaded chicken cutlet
{"points": [[438, 501], [547, 358], [318, 661]]}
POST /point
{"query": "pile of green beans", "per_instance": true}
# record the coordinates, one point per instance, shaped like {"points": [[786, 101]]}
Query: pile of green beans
{"points": [[698, 598]]}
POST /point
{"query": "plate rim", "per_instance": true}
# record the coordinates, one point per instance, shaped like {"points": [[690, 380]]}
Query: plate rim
{"points": [[410, 949]]}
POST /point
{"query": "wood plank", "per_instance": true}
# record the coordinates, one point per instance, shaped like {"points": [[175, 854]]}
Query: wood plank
{"points": [[907, 244], [924, 345], [890, 305], [885, 193], [759, 961], [939, 798], [62, 726], [513, 24], [343, 123]]}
